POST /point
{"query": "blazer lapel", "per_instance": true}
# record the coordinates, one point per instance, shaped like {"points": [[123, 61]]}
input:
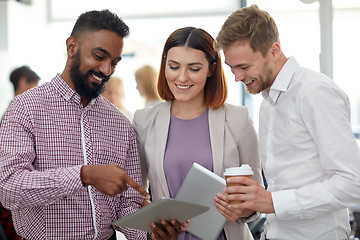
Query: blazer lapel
{"points": [[216, 127], [161, 132]]}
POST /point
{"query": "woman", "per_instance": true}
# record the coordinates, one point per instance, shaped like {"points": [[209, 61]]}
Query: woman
{"points": [[115, 93], [194, 124], [146, 79]]}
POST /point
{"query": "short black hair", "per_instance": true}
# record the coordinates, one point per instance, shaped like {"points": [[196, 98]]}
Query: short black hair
{"points": [[94, 21], [24, 71]]}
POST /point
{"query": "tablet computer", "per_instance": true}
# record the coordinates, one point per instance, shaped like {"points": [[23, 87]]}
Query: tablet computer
{"points": [[201, 186], [163, 209]]}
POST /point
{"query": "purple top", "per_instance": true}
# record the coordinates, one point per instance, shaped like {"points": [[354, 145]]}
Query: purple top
{"points": [[188, 142]]}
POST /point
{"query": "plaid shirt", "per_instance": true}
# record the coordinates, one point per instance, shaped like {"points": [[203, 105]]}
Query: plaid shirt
{"points": [[46, 137]]}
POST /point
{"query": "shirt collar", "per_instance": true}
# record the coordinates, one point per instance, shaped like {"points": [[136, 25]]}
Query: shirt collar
{"points": [[66, 91], [282, 81]]}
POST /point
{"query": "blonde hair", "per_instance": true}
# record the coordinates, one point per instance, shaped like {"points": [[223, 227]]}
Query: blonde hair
{"points": [[249, 24], [115, 83], [147, 75]]}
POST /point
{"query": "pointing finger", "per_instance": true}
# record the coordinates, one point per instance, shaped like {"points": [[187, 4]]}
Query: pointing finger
{"points": [[137, 187]]}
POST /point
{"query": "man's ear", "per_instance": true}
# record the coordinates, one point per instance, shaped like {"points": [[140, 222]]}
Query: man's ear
{"points": [[275, 50], [72, 46]]}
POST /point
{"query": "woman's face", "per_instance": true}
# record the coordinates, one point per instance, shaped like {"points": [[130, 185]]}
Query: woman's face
{"points": [[186, 72]]}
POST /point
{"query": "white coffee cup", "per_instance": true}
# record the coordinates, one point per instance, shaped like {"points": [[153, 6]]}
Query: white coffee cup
{"points": [[243, 171]]}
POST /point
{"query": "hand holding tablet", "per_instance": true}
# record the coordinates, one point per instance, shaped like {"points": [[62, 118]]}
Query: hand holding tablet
{"points": [[164, 209]]}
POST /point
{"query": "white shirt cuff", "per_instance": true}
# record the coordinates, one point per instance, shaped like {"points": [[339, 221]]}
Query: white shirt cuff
{"points": [[285, 204]]}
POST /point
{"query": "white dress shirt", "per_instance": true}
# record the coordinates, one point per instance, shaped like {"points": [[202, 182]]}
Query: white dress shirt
{"points": [[309, 154]]}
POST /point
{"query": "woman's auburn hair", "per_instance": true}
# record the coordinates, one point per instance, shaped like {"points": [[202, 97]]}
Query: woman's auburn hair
{"points": [[215, 90]]}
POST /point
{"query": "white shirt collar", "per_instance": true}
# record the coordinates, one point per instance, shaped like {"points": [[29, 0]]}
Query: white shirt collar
{"points": [[282, 81]]}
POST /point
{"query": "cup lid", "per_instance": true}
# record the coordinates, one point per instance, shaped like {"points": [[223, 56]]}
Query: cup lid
{"points": [[244, 169]]}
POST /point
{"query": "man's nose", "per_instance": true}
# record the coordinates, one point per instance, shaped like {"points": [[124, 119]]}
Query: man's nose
{"points": [[106, 68]]}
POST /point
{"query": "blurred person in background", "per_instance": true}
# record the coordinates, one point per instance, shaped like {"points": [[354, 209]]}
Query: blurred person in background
{"points": [[23, 78], [146, 82], [114, 92]]}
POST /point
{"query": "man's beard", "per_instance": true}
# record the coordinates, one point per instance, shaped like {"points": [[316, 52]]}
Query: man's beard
{"points": [[263, 82], [80, 81]]}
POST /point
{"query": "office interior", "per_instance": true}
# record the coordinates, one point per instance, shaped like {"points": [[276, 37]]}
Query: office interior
{"points": [[323, 35], [33, 33]]}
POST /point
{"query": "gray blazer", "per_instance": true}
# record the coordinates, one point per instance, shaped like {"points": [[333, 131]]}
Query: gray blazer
{"points": [[233, 141]]}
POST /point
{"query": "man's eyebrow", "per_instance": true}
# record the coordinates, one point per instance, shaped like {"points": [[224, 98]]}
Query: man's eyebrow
{"points": [[227, 64], [238, 65], [106, 52]]}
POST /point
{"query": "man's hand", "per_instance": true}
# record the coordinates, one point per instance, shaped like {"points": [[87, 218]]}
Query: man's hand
{"points": [[253, 196], [109, 179], [167, 230]]}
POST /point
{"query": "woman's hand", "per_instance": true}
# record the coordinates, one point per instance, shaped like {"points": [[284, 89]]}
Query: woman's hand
{"points": [[231, 214]]}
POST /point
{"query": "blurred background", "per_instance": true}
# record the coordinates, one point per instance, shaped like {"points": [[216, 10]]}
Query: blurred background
{"points": [[33, 33]]}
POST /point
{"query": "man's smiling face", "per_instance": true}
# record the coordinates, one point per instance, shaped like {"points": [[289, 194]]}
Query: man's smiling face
{"points": [[95, 61]]}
